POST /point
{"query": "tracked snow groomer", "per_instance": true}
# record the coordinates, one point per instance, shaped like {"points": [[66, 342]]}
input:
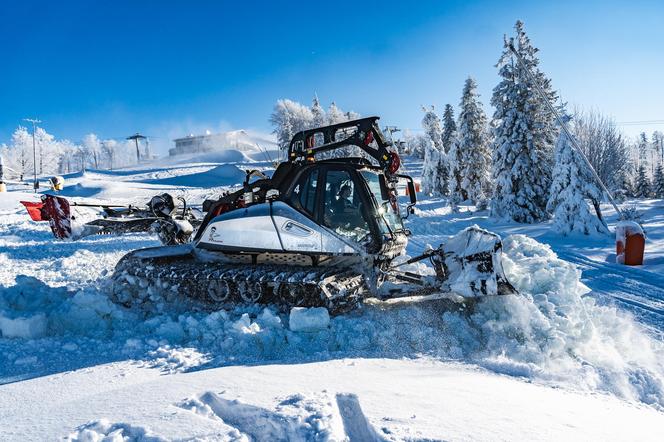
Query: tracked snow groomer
{"points": [[170, 218], [317, 233]]}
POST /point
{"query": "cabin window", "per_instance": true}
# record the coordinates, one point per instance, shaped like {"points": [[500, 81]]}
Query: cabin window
{"points": [[343, 211], [303, 196]]}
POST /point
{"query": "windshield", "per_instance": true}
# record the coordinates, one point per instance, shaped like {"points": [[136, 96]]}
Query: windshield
{"points": [[388, 218]]}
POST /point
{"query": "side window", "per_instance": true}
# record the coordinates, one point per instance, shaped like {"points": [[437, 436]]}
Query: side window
{"points": [[343, 211], [303, 196]]}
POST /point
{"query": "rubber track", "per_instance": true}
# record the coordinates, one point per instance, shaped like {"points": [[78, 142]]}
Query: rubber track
{"points": [[139, 281]]}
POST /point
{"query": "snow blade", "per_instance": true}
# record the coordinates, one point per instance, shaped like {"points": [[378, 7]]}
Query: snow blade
{"points": [[471, 264], [34, 210], [58, 214]]}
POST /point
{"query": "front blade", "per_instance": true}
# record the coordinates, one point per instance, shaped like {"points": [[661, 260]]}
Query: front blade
{"points": [[58, 213], [472, 263]]}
